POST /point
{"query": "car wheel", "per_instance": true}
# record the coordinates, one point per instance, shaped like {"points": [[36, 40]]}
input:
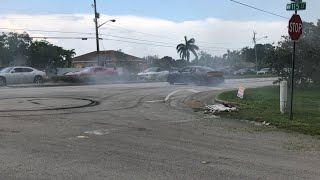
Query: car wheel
{"points": [[38, 80], [170, 80], [3, 81], [221, 80], [202, 82]]}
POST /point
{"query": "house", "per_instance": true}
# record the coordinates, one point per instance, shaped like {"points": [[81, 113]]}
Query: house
{"points": [[110, 58]]}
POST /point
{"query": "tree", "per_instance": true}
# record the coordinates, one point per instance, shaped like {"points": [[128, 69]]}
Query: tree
{"points": [[14, 48], [44, 55], [233, 59], [185, 49], [166, 62], [151, 60], [307, 68]]}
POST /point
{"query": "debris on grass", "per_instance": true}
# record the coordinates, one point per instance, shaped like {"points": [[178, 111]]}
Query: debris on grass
{"points": [[264, 123], [219, 108]]}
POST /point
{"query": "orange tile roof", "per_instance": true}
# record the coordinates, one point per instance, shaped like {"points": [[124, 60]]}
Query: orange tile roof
{"points": [[110, 55]]}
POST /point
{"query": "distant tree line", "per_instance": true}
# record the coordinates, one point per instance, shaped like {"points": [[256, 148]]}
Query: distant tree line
{"points": [[19, 49], [274, 56]]}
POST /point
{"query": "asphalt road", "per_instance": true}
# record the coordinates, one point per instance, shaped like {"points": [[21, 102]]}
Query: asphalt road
{"points": [[126, 131]]}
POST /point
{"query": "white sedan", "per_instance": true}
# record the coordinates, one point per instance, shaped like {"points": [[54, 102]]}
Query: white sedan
{"points": [[21, 75], [154, 73], [264, 71]]}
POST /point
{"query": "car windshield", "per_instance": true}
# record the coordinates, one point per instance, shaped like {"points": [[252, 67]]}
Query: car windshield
{"points": [[154, 69], [265, 69], [207, 69], [88, 69], [6, 70]]}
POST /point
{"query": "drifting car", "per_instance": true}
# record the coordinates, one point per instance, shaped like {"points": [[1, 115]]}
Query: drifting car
{"points": [[153, 73], [200, 75]]}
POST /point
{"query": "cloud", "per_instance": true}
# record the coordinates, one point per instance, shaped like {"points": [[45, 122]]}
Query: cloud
{"points": [[142, 36]]}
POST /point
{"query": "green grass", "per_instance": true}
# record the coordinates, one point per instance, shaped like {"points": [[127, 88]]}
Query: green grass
{"points": [[262, 104]]}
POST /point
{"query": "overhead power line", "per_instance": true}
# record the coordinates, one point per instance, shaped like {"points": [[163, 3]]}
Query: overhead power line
{"points": [[154, 35], [149, 34], [48, 31], [105, 35], [125, 41], [258, 9]]}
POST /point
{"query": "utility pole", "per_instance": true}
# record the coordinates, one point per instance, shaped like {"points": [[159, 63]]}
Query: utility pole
{"points": [[255, 49], [96, 17]]}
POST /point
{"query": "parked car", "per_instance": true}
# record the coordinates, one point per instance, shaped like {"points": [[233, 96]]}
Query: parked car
{"points": [[264, 71], [153, 73], [21, 75], [94, 72], [245, 71], [200, 75]]}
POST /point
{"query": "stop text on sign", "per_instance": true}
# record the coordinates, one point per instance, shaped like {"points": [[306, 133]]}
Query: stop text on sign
{"points": [[295, 27]]}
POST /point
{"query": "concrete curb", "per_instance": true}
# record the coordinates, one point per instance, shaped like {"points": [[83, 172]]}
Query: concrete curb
{"points": [[73, 84], [193, 101], [216, 100]]}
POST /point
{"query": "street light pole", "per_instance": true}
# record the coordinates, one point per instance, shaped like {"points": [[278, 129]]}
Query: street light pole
{"points": [[255, 47], [96, 17], [97, 26], [112, 20]]}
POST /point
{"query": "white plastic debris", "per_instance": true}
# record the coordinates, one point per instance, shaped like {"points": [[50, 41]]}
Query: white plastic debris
{"points": [[97, 132], [264, 123], [205, 162], [101, 132], [82, 137], [220, 108]]}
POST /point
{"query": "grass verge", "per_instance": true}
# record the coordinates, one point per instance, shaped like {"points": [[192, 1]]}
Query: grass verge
{"points": [[262, 104]]}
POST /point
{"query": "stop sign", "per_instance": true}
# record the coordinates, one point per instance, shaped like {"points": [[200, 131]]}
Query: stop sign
{"points": [[295, 27]]}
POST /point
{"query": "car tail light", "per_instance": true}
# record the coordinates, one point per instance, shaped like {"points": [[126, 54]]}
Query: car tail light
{"points": [[215, 73]]}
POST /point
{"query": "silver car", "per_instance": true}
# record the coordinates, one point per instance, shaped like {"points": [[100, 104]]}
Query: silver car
{"points": [[21, 75]]}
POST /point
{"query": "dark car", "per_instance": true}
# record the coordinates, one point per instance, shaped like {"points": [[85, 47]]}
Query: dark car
{"points": [[199, 75], [245, 71]]}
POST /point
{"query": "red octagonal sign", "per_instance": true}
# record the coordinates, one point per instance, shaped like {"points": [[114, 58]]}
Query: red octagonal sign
{"points": [[295, 27]]}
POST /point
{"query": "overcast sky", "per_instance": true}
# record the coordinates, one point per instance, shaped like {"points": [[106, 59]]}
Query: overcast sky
{"points": [[149, 27]]}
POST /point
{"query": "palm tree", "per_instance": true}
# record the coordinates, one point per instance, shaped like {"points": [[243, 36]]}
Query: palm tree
{"points": [[184, 49]]}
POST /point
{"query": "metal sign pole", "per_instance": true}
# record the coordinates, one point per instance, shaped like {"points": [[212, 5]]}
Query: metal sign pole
{"points": [[292, 79], [292, 76]]}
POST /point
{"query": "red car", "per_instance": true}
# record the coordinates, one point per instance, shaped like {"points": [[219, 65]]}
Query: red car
{"points": [[96, 71]]}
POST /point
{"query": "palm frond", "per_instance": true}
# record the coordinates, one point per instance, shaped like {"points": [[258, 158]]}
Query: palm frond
{"points": [[181, 54], [180, 46], [194, 53], [191, 41], [195, 47]]}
